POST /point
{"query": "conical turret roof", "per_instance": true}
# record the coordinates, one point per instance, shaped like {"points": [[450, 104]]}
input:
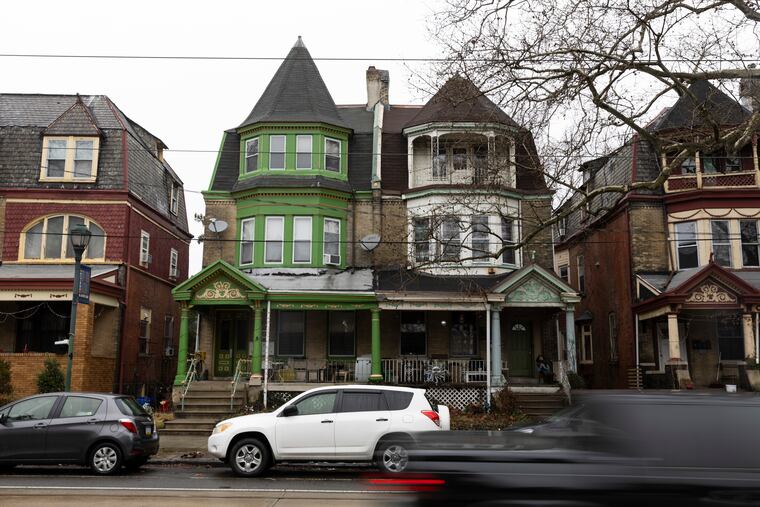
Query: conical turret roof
{"points": [[296, 93]]}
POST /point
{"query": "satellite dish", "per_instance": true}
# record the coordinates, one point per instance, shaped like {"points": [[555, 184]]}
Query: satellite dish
{"points": [[217, 226], [370, 242]]}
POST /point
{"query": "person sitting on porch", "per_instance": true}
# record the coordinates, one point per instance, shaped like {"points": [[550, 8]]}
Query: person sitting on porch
{"points": [[544, 369]]}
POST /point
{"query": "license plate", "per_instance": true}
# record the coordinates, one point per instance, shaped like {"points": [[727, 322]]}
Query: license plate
{"points": [[149, 430]]}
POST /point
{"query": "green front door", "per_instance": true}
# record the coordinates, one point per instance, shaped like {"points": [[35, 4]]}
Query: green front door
{"points": [[232, 339], [519, 349]]}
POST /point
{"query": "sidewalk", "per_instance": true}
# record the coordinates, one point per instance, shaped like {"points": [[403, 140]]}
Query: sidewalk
{"points": [[183, 450]]}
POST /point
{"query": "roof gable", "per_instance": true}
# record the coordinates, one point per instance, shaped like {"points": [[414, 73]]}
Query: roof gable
{"points": [[687, 113], [219, 282], [296, 93], [75, 121], [713, 283], [535, 285], [459, 100]]}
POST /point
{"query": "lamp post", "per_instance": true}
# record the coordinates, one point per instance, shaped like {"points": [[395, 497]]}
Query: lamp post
{"points": [[79, 235]]}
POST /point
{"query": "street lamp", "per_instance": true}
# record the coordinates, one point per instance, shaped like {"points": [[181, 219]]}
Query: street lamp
{"points": [[79, 235]]}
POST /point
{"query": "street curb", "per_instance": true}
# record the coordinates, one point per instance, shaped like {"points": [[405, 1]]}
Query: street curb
{"points": [[186, 461]]}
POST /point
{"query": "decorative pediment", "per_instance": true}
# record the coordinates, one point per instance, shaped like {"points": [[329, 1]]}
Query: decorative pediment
{"points": [[710, 293], [533, 291], [220, 290]]}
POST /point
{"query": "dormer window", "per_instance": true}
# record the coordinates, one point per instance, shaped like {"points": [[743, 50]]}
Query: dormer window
{"points": [[174, 200], [69, 158], [251, 154]]}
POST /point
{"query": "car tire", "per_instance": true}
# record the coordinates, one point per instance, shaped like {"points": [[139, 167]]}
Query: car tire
{"points": [[392, 456], [105, 458], [249, 458]]}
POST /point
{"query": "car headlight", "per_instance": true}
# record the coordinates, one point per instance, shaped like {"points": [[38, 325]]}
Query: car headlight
{"points": [[219, 428]]}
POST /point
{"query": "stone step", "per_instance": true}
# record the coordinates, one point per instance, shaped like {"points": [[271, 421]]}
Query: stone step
{"points": [[205, 414], [191, 421], [212, 407], [186, 431]]}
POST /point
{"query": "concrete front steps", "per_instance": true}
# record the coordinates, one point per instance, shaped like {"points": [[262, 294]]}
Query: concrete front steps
{"points": [[207, 402], [539, 402]]}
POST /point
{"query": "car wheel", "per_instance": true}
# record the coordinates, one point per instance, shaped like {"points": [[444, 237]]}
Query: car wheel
{"points": [[105, 459], [249, 458], [393, 456]]}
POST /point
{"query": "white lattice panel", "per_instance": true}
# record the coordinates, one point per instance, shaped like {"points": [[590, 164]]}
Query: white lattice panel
{"points": [[457, 397]]}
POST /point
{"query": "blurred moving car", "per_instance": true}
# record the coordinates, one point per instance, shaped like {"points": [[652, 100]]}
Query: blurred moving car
{"points": [[346, 423], [608, 449], [102, 431]]}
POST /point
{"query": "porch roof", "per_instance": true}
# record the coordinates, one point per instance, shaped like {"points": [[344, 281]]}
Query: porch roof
{"points": [[48, 271]]}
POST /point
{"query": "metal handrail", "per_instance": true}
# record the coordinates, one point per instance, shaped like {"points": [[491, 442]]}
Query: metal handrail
{"points": [[190, 376], [243, 368]]}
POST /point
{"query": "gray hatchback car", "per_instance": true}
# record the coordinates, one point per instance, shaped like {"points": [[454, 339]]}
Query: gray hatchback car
{"points": [[102, 431]]}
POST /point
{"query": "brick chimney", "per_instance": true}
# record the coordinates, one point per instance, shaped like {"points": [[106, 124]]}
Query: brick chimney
{"points": [[749, 91], [378, 82]]}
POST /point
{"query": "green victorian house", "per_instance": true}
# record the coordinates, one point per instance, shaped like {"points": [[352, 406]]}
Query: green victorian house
{"points": [[338, 239]]}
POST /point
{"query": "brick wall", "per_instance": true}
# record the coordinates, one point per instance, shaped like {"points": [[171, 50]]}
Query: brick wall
{"points": [[392, 250], [649, 246], [226, 248]]}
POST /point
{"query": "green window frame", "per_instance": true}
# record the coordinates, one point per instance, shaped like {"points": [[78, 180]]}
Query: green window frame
{"points": [[277, 152], [333, 156], [252, 150]]}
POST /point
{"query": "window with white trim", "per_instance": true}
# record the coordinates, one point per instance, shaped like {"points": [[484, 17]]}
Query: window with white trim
{"points": [[301, 239], [174, 199], [273, 243], [332, 241], [421, 239], [450, 243], [564, 273], [750, 243], [721, 242], [586, 344], [251, 154], [303, 152], [479, 238], [144, 338], [277, 152], [508, 238], [173, 264], [145, 256], [246, 240], [686, 244], [49, 239], [332, 155], [69, 158]]}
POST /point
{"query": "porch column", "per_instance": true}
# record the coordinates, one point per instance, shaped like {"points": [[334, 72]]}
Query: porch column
{"points": [[674, 341], [182, 346], [377, 367], [496, 375], [570, 337], [256, 342], [749, 336]]}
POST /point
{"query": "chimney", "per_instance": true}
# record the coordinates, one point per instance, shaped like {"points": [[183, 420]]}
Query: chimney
{"points": [[378, 82], [749, 91]]}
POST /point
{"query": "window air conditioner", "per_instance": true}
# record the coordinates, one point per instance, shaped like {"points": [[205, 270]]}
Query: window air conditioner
{"points": [[332, 259]]}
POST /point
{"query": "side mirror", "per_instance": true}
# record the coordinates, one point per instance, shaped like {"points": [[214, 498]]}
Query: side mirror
{"points": [[289, 411]]}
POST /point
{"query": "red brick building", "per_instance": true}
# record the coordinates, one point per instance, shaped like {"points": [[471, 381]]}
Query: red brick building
{"points": [[66, 160]]}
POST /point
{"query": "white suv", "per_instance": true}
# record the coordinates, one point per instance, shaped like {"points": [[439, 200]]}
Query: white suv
{"points": [[346, 423]]}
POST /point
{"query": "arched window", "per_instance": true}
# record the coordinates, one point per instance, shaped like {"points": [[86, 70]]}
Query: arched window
{"points": [[48, 239]]}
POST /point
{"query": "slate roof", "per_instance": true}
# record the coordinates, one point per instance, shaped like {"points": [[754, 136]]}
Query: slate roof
{"points": [[296, 93], [48, 271], [267, 180], [313, 280], [459, 100], [76, 120], [402, 280], [686, 113], [666, 283]]}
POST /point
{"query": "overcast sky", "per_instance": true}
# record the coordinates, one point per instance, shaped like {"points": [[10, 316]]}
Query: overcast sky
{"points": [[188, 104]]}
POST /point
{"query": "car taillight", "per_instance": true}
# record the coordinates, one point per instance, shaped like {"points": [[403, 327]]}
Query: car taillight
{"points": [[433, 416], [129, 424]]}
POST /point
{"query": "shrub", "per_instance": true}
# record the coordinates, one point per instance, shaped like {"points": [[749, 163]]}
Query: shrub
{"points": [[6, 388], [505, 402], [576, 381], [51, 379]]}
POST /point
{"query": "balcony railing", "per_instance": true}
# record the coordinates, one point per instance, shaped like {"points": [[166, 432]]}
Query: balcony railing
{"points": [[433, 371], [686, 182]]}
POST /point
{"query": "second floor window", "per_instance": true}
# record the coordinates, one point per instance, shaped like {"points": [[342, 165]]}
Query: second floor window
{"points": [[750, 243], [507, 239], [332, 241], [303, 152], [48, 239], [451, 242], [301, 239], [686, 245], [251, 154], [277, 152], [173, 264], [69, 158], [332, 155], [564, 273], [721, 242], [246, 241], [274, 239], [480, 238], [421, 239], [145, 256], [144, 339]]}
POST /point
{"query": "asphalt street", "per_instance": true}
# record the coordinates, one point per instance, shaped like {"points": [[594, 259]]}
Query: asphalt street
{"points": [[175, 484]]}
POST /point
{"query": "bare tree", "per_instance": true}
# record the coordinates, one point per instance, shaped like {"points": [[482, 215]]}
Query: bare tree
{"points": [[585, 76]]}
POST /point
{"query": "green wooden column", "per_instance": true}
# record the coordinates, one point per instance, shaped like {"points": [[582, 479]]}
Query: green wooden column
{"points": [[182, 348], [256, 349], [377, 367]]}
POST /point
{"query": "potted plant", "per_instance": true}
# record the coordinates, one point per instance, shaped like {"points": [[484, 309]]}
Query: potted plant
{"points": [[753, 372]]}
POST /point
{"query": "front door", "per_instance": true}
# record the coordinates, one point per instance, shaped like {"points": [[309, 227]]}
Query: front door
{"points": [[232, 331], [520, 349]]}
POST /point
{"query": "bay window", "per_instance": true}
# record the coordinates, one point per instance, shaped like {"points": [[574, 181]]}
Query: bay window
{"points": [[480, 238], [303, 152], [750, 243], [332, 155], [686, 245], [331, 241], [721, 242], [274, 235], [450, 242], [507, 239], [252, 154], [277, 152], [421, 239], [302, 239], [246, 240]]}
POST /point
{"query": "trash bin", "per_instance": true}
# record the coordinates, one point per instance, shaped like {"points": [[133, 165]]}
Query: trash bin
{"points": [[363, 368]]}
